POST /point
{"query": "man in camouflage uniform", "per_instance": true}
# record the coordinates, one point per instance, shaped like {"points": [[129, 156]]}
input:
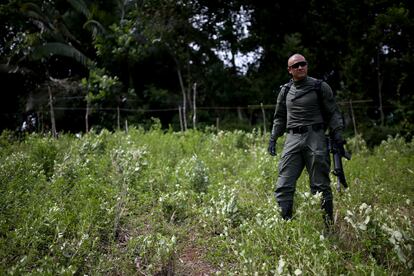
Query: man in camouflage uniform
{"points": [[304, 117]]}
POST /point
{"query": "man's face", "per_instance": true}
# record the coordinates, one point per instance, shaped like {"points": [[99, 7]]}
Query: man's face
{"points": [[298, 67]]}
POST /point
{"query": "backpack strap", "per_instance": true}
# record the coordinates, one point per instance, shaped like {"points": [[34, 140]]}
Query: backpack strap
{"points": [[285, 88], [318, 89]]}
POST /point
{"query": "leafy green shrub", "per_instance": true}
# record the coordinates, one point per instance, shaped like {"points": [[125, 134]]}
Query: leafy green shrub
{"points": [[42, 151], [357, 145], [377, 233], [221, 211], [193, 173], [154, 253], [374, 135]]}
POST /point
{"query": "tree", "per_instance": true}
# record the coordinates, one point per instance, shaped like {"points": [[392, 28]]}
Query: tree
{"points": [[158, 49]]}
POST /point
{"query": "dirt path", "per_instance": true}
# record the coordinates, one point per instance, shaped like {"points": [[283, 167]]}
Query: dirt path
{"points": [[191, 260]]}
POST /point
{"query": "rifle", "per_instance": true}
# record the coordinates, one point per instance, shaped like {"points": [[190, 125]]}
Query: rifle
{"points": [[338, 151]]}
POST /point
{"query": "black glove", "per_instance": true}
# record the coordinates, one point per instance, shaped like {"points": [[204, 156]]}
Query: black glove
{"points": [[272, 146], [340, 142]]}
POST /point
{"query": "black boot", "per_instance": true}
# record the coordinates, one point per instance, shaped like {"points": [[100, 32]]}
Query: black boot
{"points": [[327, 206], [286, 209]]}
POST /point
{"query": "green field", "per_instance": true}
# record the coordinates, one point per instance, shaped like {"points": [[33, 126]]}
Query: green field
{"points": [[155, 202]]}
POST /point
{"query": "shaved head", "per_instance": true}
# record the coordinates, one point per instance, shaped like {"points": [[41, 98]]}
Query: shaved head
{"points": [[295, 59], [297, 67]]}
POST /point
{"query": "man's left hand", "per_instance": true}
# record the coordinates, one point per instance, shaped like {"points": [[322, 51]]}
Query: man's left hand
{"points": [[272, 147]]}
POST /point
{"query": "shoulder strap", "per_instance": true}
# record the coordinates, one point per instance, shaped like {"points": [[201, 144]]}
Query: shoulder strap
{"points": [[285, 88], [318, 88]]}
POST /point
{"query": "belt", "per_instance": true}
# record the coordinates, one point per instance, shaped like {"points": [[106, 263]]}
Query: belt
{"points": [[304, 129]]}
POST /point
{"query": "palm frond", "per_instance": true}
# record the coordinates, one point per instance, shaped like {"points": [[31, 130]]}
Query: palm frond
{"points": [[26, 7], [62, 29], [81, 7], [56, 48], [95, 26]]}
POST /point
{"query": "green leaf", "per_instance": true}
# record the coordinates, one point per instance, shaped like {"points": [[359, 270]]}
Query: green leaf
{"points": [[60, 49]]}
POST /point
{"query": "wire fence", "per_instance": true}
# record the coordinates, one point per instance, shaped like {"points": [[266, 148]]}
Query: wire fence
{"points": [[169, 109], [256, 115]]}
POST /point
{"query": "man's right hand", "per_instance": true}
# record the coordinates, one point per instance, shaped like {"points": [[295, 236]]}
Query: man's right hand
{"points": [[272, 147]]}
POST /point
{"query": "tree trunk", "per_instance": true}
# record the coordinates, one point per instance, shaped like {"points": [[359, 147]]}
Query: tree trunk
{"points": [[264, 119], [189, 88], [118, 115], [52, 113], [354, 123], [353, 117], [184, 110], [380, 81], [239, 113], [194, 105], [181, 117], [87, 117]]}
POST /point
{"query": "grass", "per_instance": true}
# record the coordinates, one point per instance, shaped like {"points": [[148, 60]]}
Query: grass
{"points": [[155, 202]]}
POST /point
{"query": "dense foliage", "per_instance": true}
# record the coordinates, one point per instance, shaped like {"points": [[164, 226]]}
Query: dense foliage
{"points": [[194, 202], [160, 53]]}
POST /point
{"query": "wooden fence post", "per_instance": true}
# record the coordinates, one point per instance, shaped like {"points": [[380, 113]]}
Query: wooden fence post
{"points": [[118, 115], [353, 117], [87, 116], [181, 119], [264, 119]]}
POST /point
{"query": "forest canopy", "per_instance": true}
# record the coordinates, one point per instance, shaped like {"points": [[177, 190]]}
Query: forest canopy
{"points": [[104, 64]]}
